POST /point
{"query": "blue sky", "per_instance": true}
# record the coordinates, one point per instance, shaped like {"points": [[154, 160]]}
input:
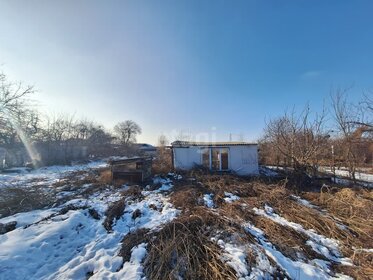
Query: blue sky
{"points": [[196, 67]]}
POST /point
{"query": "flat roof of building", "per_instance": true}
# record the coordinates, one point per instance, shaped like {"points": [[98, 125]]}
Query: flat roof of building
{"points": [[210, 144], [119, 161]]}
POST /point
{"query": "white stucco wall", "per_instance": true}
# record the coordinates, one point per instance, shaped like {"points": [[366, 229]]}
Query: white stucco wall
{"points": [[242, 159], [187, 158]]}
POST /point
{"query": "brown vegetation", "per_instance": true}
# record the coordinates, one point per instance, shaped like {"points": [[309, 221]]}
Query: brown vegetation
{"points": [[347, 217], [183, 249]]}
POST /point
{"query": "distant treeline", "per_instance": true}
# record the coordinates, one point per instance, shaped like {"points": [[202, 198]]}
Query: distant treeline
{"points": [[26, 135]]}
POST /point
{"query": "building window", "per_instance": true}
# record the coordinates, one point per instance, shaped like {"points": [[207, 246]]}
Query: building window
{"points": [[206, 158], [224, 159], [215, 158]]}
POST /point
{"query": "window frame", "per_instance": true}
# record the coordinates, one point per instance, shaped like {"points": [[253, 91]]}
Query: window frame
{"points": [[202, 150]]}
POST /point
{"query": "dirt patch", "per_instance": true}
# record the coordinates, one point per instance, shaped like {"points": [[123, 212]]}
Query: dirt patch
{"points": [[115, 211], [134, 193], [94, 214]]}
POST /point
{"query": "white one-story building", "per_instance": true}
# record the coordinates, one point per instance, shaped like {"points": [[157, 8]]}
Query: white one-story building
{"points": [[238, 157]]}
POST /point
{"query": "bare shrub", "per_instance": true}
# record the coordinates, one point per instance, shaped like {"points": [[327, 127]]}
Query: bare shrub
{"points": [[163, 161]]}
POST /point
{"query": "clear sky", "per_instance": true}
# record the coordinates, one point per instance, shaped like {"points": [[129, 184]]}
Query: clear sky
{"points": [[201, 66]]}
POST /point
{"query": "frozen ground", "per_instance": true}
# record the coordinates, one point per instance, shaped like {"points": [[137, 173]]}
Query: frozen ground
{"points": [[52, 244], [359, 175], [70, 241], [45, 175]]}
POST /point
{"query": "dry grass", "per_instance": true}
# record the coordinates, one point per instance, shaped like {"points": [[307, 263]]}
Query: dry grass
{"points": [[183, 248], [105, 176], [344, 206], [354, 208], [18, 199], [131, 240], [163, 162], [287, 240], [187, 196]]}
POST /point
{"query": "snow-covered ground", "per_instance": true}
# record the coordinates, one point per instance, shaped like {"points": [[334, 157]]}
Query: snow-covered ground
{"points": [[296, 269], [365, 179], [49, 245], [268, 258], [268, 171], [45, 175], [320, 244], [74, 244], [230, 197], [207, 199], [344, 173]]}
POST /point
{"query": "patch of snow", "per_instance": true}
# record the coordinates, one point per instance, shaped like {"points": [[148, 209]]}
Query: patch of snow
{"points": [[363, 250], [149, 217], [119, 158], [263, 268], [166, 184], [274, 167], [327, 247], [315, 269], [160, 180], [264, 170], [207, 198], [133, 269], [165, 187], [230, 197], [39, 250], [303, 201], [235, 257], [45, 175], [100, 201], [358, 175], [27, 218], [175, 176]]}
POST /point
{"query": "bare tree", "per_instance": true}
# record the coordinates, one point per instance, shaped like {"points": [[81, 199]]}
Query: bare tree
{"points": [[12, 98], [162, 140], [298, 139], [367, 110], [127, 131], [351, 122], [14, 112], [163, 161]]}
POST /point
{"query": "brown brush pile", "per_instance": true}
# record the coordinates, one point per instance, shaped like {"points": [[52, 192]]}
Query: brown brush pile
{"points": [[354, 208], [348, 215], [183, 249]]}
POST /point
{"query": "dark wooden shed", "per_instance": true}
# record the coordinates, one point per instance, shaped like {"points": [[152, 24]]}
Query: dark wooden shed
{"points": [[131, 170]]}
